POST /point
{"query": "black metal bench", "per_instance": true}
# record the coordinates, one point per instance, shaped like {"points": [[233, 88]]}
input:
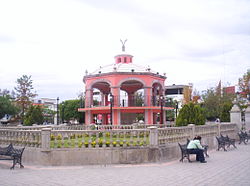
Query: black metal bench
{"points": [[221, 143], [225, 141], [244, 137], [11, 153], [228, 141], [247, 135], [185, 153]]}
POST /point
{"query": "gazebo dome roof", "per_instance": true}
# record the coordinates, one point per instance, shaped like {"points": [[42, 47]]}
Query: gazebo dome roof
{"points": [[123, 64], [122, 67]]}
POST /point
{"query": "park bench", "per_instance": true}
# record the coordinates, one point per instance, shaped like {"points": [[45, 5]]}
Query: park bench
{"points": [[228, 141], [185, 153], [224, 141], [11, 153], [247, 135], [244, 137], [221, 143]]}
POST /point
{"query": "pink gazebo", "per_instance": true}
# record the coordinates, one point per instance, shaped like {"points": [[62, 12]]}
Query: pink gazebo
{"points": [[121, 92]]}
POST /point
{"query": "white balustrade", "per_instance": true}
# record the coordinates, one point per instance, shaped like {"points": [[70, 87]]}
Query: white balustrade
{"points": [[107, 136]]}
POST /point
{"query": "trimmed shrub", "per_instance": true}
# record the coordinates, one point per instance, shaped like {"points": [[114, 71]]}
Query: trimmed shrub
{"points": [[191, 114]]}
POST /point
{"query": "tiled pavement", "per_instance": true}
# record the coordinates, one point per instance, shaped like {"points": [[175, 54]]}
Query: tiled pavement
{"points": [[222, 168]]}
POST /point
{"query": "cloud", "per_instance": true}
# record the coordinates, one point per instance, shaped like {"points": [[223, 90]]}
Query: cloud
{"points": [[6, 39], [56, 41]]}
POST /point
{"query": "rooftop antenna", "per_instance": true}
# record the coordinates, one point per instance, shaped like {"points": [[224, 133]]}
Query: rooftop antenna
{"points": [[123, 44]]}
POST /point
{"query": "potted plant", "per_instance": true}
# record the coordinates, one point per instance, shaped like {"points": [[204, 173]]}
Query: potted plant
{"points": [[107, 143], [86, 144]]}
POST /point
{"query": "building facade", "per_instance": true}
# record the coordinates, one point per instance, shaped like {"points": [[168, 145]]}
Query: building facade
{"points": [[51, 105]]}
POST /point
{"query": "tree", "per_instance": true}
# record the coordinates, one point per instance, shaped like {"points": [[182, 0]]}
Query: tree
{"points": [[170, 114], [217, 105], [69, 110], [24, 92], [48, 114], [34, 115], [211, 104], [244, 84], [190, 114], [225, 112], [7, 107]]}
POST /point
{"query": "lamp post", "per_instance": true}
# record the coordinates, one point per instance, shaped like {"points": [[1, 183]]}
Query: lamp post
{"points": [[176, 110], [111, 105], [162, 101], [57, 111]]}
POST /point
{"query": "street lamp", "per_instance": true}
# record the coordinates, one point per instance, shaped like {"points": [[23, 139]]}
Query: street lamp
{"points": [[162, 101], [57, 111], [111, 105], [176, 109]]}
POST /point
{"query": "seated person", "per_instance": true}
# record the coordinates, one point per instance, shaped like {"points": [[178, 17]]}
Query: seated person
{"points": [[194, 147]]}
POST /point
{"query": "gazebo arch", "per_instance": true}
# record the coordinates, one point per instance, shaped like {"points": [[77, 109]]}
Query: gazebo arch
{"points": [[132, 79], [157, 82], [98, 81]]}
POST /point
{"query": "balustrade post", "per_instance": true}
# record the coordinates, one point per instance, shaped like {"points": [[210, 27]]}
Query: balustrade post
{"points": [[235, 115], [247, 118], [193, 130], [219, 129], [46, 138], [153, 136]]}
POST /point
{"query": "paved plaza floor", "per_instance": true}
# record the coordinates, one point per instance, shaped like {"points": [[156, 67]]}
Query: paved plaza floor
{"points": [[222, 168]]}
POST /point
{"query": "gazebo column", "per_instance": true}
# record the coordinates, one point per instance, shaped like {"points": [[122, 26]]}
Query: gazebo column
{"points": [[106, 99], [89, 98], [148, 114], [150, 117], [88, 117], [147, 96], [116, 93], [154, 97], [117, 117], [116, 114], [88, 103]]}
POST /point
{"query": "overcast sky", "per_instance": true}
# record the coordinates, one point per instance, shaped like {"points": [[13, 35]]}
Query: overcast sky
{"points": [[55, 41]]}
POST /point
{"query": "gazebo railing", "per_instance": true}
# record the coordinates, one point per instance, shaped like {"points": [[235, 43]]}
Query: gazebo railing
{"points": [[125, 101]]}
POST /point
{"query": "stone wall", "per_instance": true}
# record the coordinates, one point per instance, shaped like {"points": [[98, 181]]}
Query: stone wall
{"points": [[152, 144], [106, 156]]}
